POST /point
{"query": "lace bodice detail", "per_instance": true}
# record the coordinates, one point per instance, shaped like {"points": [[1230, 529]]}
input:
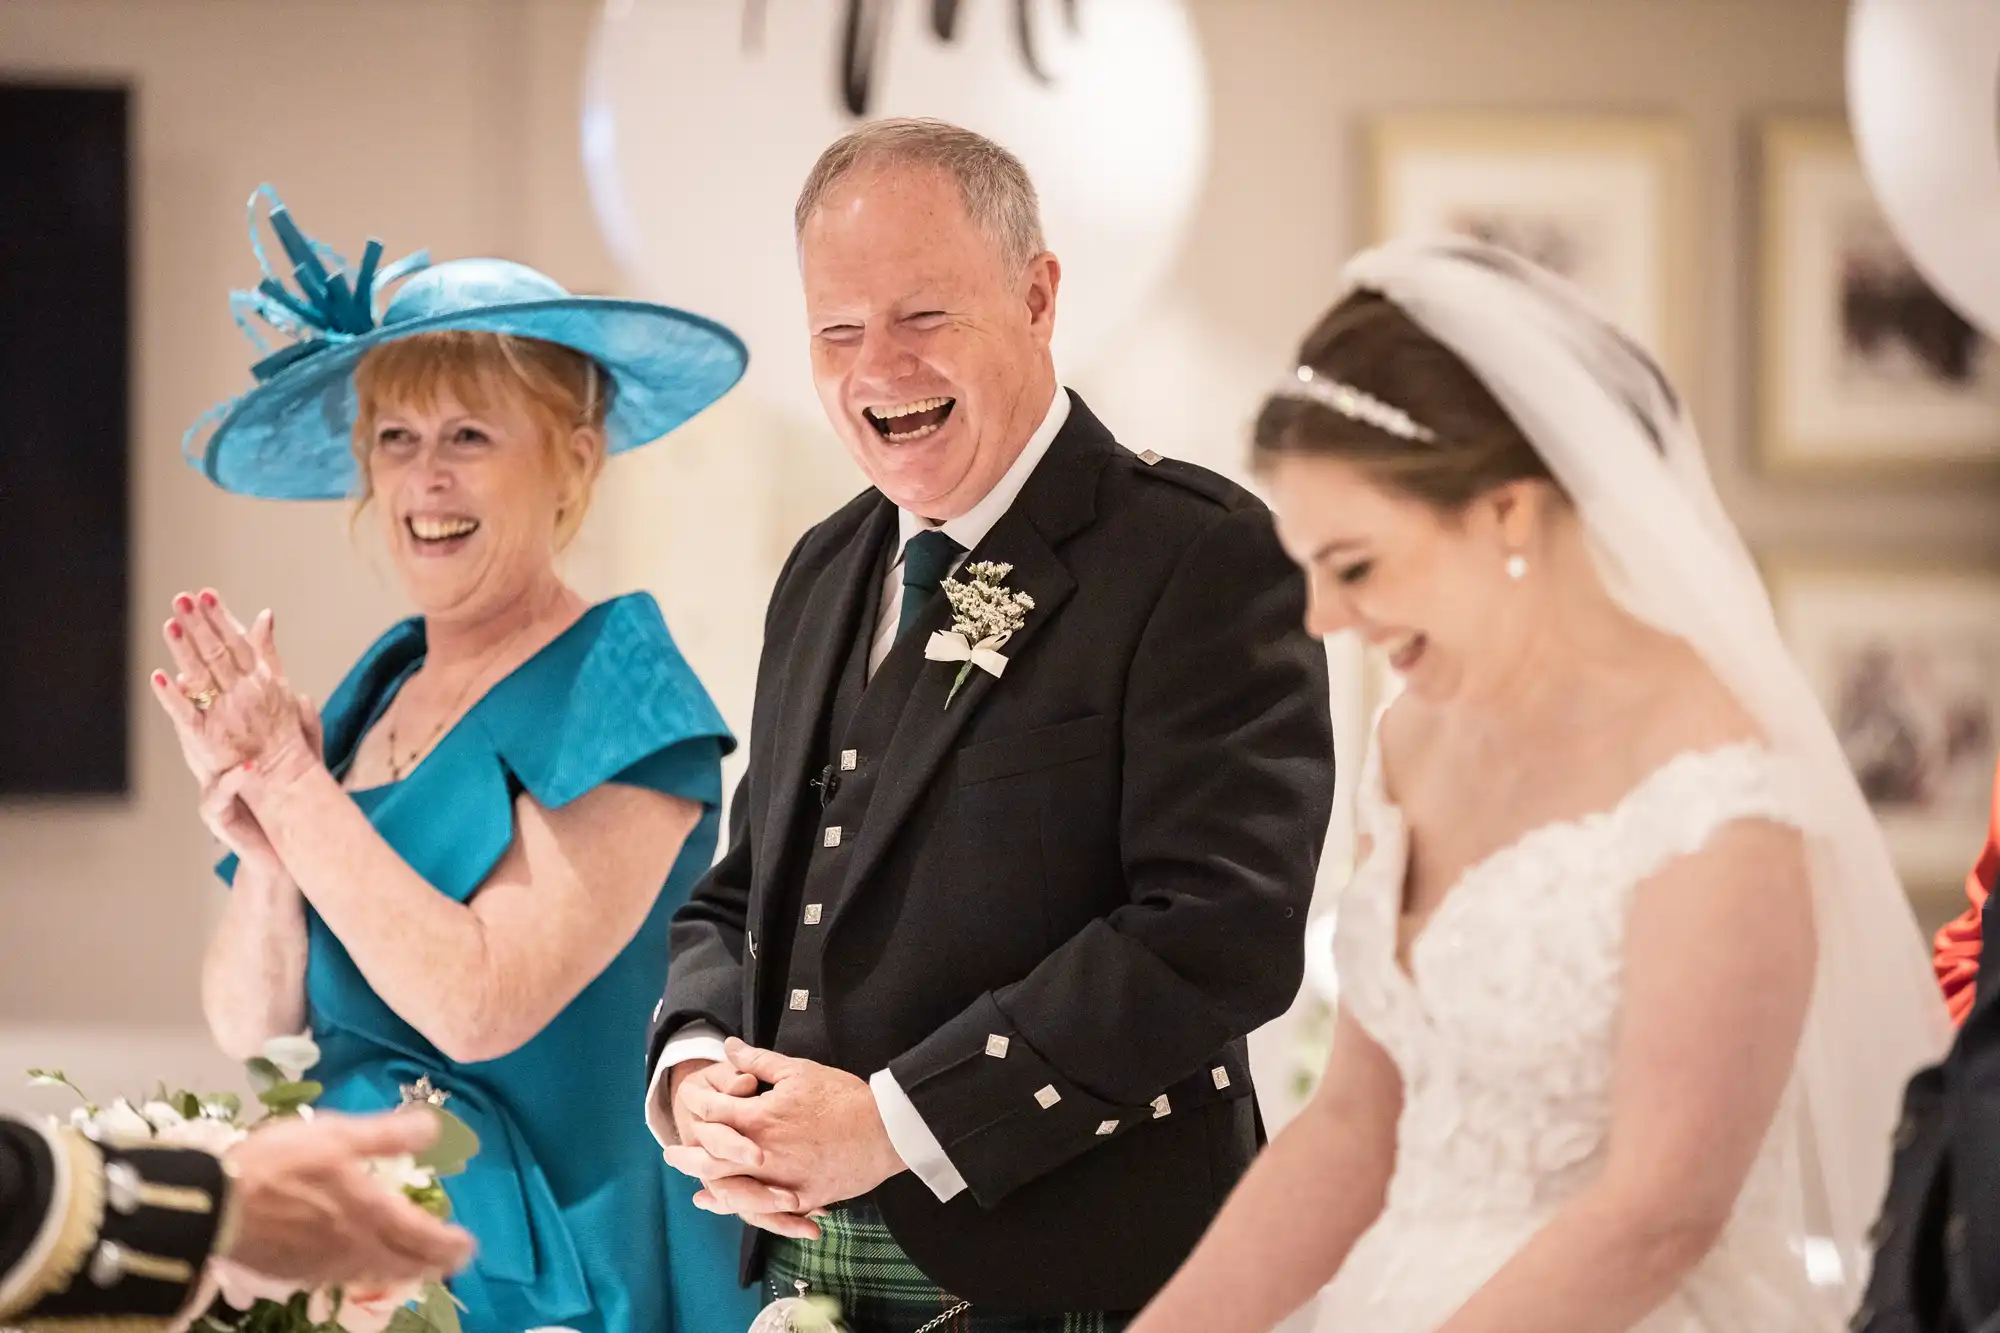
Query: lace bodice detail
{"points": [[1504, 1032], [1503, 1028]]}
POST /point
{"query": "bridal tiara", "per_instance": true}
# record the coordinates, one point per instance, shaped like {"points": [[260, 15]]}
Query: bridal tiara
{"points": [[1354, 404]]}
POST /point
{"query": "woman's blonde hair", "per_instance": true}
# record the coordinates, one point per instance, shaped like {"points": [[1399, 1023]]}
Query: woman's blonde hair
{"points": [[562, 389]]}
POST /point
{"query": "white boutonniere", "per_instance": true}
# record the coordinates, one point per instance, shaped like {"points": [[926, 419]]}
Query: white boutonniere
{"points": [[985, 614]]}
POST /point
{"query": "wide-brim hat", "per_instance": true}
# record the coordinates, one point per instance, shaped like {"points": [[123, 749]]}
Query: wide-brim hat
{"points": [[290, 438]]}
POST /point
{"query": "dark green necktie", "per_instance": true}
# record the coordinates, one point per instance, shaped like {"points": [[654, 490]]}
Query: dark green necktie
{"points": [[927, 558]]}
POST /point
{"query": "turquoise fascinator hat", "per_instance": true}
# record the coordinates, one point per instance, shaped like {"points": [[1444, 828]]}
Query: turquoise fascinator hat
{"points": [[289, 437]]}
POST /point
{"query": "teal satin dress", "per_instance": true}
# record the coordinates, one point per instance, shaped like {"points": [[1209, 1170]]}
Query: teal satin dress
{"points": [[579, 1222]]}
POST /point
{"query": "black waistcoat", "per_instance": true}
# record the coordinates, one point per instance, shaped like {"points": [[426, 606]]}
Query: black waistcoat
{"points": [[854, 733]]}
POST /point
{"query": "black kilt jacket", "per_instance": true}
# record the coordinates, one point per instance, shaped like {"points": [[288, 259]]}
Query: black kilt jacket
{"points": [[94, 1237], [1055, 908]]}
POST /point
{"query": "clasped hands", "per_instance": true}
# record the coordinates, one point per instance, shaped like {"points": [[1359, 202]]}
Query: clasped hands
{"points": [[778, 1157], [238, 720]]}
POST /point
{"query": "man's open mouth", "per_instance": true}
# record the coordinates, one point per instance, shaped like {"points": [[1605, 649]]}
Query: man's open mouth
{"points": [[909, 421]]}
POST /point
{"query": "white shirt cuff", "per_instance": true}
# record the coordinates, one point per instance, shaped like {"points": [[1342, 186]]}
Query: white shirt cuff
{"points": [[696, 1041], [912, 1138]]}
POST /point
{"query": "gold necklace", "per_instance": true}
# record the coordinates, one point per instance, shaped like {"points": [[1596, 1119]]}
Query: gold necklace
{"points": [[396, 771]]}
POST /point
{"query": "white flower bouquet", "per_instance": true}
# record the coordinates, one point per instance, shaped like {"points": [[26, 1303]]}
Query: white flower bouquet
{"points": [[249, 1302]]}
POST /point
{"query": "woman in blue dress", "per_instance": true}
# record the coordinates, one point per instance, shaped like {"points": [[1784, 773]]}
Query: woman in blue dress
{"points": [[461, 879]]}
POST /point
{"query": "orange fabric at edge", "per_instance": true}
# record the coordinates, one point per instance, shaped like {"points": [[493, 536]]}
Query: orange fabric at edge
{"points": [[1958, 944]]}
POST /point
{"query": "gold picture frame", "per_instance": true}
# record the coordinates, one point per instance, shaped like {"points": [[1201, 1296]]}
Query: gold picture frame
{"points": [[1604, 199], [1905, 659], [1862, 368]]}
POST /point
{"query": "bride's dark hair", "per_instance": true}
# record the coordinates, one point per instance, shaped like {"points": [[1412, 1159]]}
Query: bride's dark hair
{"points": [[1368, 342]]}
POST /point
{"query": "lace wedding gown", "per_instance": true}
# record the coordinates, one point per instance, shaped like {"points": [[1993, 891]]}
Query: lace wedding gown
{"points": [[1504, 1030]]}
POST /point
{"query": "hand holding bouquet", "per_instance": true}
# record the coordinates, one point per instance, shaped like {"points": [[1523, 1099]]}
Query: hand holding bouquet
{"points": [[321, 1178]]}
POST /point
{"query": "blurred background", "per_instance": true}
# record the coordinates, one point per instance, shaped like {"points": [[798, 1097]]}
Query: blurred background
{"points": [[1206, 167]]}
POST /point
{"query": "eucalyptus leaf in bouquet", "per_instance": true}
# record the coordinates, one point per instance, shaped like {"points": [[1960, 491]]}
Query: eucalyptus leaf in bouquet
{"points": [[456, 1145]]}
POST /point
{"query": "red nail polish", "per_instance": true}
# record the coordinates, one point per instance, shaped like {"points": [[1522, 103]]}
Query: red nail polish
{"points": [[208, 599], [174, 629], [159, 678]]}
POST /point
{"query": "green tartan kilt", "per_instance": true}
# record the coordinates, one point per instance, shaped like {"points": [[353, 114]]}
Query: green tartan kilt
{"points": [[858, 1264]]}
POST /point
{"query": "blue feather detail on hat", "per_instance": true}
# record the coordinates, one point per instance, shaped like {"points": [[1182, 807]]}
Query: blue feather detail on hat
{"points": [[327, 309]]}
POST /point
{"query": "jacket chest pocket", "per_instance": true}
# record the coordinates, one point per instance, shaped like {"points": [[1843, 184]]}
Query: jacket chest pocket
{"points": [[1035, 824], [1032, 751]]}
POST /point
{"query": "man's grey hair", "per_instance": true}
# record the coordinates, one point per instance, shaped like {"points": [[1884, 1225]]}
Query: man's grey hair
{"points": [[999, 197]]}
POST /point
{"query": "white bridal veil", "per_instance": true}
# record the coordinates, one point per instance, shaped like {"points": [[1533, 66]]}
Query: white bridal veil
{"points": [[1615, 436]]}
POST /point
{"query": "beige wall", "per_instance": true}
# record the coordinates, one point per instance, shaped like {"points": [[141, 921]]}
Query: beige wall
{"points": [[449, 124]]}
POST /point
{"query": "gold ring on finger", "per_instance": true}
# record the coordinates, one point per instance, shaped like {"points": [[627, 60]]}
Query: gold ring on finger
{"points": [[203, 699]]}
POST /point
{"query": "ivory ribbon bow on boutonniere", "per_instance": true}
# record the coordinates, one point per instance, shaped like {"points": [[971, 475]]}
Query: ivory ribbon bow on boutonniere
{"points": [[985, 614]]}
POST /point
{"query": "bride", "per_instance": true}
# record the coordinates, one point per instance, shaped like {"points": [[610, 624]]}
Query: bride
{"points": [[1628, 986]]}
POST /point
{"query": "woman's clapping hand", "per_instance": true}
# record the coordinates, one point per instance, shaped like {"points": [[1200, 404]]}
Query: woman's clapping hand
{"points": [[232, 710]]}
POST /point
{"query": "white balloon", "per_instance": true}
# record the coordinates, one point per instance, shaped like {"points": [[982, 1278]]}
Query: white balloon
{"points": [[697, 137], [1922, 81]]}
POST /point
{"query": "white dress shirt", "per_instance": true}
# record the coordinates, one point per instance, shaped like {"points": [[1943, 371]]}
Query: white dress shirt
{"points": [[911, 1137]]}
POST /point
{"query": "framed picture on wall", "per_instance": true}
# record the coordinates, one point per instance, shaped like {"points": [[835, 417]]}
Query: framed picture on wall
{"points": [[1906, 662], [1861, 364], [1603, 200]]}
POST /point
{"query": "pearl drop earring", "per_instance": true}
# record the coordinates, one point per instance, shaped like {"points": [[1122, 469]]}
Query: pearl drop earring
{"points": [[1517, 567]]}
